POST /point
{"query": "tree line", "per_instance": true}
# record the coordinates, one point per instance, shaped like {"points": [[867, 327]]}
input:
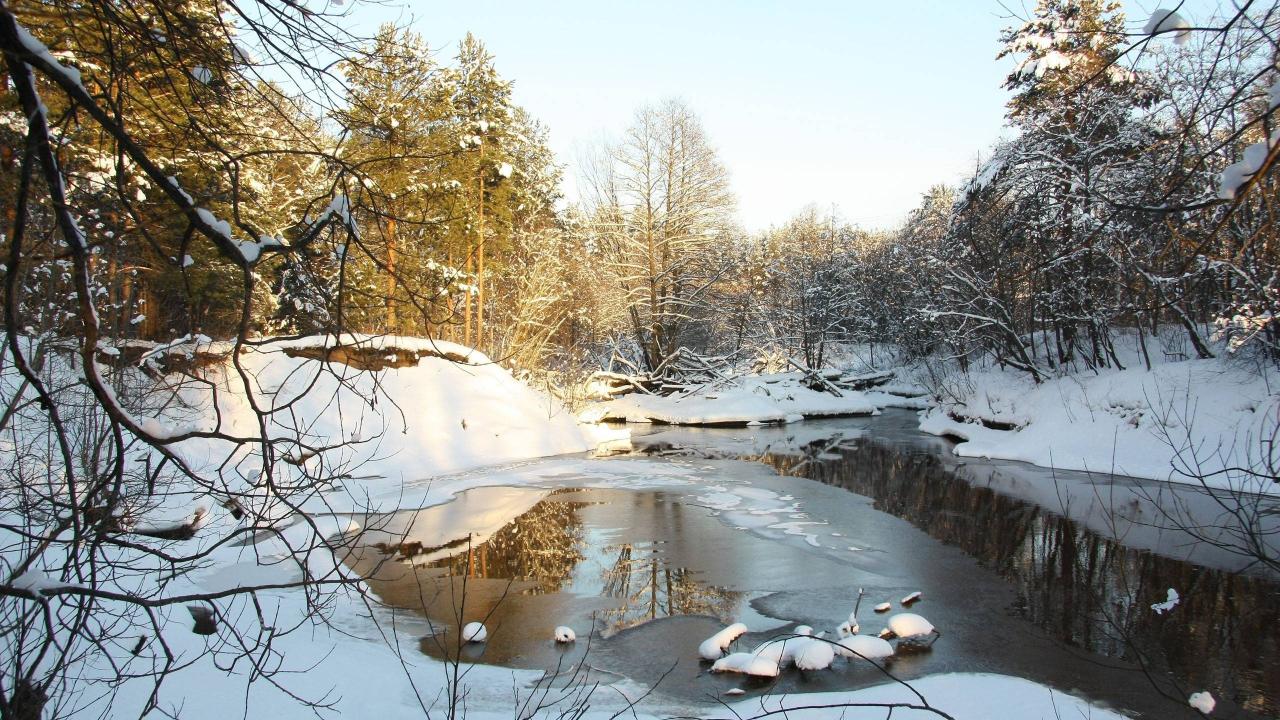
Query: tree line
{"points": [[1137, 193]]}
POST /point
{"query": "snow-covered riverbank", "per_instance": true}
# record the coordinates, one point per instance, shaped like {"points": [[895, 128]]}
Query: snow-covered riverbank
{"points": [[1191, 421]]}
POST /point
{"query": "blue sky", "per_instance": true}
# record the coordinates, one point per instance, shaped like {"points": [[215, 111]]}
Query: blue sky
{"points": [[860, 104]]}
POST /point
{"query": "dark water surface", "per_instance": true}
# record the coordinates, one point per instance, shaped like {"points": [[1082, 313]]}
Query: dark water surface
{"points": [[1026, 572]]}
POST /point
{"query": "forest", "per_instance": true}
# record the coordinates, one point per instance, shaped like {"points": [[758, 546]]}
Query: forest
{"points": [[258, 267], [406, 194]]}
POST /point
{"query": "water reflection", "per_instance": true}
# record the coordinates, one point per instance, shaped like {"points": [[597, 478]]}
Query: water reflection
{"points": [[1084, 588], [541, 547], [648, 588], [524, 561]]}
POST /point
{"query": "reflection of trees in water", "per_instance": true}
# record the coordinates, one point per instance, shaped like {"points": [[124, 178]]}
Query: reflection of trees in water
{"points": [[543, 546], [648, 588], [1083, 588]]}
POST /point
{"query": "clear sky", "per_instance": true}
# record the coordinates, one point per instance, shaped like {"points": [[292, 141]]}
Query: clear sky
{"points": [[860, 104]]}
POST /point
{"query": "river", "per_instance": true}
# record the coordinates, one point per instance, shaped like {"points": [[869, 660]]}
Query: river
{"points": [[1028, 572]]}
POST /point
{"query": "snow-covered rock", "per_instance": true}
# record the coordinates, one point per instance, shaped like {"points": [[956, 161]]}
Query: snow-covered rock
{"points": [[864, 646], [1202, 701], [747, 664], [475, 632], [815, 655], [909, 625], [565, 634], [716, 645], [782, 652]]}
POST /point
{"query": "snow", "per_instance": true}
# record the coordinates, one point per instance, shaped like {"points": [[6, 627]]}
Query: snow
{"points": [[911, 598], [964, 696], [37, 583], [202, 74], [908, 625], [715, 646], [38, 49], [1234, 176], [1202, 701], [1178, 420], [564, 634], [747, 664], [883, 607], [1171, 601], [475, 632], [440, 415], [218, 225], [505, 170], [815, 655], [866, 647], [776, 398], [780, 652], [1164, 21]]}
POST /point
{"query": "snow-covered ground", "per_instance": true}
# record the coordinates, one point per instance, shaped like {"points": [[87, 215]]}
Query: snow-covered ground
{"points": [[964, 696], [1175, 422], [754, 399], [451, 410]]}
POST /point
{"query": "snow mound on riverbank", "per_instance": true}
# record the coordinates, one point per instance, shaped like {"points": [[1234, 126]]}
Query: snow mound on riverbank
{"points": [[1174, 422], [756, 399], [447, 408]]}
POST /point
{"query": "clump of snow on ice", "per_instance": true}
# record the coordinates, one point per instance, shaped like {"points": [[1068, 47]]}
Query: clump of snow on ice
{"points": [[715, 646], [781, 652], [846, 629], [747, 664], [1171, 601], [907, 625], [565, 634], [475, 632], [913, 597], [883, 607], [1202, 701], [1164, 21], [815, 655], [865, 646]]}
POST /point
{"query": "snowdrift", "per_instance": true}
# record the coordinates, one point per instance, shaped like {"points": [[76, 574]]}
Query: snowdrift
{"points": [[383, 406], [1174, 422]]}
